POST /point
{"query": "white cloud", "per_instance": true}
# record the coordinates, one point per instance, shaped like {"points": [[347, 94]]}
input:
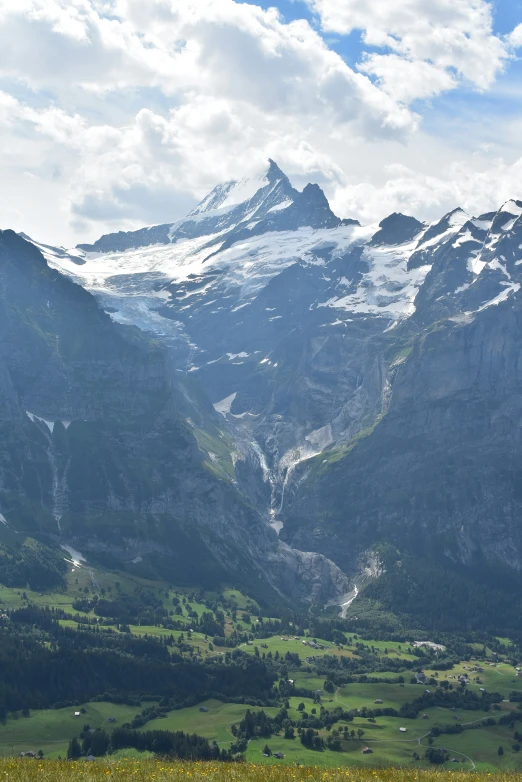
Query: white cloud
{"points": [[439, 41], [515, 38], [229, 83], [430, 196], [126, 111]]}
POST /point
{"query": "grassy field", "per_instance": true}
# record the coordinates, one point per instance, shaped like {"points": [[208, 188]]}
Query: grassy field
{"points": [[52, 729], [160, 771], [213, 725], [474, 749]]}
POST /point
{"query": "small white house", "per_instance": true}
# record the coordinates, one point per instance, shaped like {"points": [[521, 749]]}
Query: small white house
{"points": [[403, 730], [76, 713]]}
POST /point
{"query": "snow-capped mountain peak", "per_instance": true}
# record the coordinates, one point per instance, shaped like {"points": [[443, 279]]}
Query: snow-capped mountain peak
{"points": [[231, 194]]}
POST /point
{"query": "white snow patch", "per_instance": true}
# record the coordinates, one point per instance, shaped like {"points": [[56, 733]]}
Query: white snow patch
{"points": [[462, 288], [495, 264], [388, 289], [225, 405], [3, 519], [243, 191], [458, 218], [512, 208], [513, 288], [475, 265], [232, 356], [163, 295], [34, 418], [483, 225], [277, 525], [282, 205], [465, 237], [76, 557]]}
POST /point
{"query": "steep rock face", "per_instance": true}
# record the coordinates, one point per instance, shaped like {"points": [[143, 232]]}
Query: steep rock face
{"points": [[397, 229], [96, 452], [441, 473], [365, 376]]}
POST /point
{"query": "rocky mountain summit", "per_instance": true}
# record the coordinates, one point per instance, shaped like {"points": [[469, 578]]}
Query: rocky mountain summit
{"points": [[364, 378]]}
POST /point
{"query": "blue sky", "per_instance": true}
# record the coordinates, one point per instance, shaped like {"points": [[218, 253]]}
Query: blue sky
{"points": [[120, 114]]}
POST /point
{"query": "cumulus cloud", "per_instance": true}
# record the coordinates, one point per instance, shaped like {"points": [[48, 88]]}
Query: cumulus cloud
{"points": [[129, 111], [219, 85], [438, 41], [429, 196]]}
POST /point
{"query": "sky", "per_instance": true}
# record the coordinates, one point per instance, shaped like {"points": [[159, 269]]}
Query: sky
{"points": [[116, 114]]}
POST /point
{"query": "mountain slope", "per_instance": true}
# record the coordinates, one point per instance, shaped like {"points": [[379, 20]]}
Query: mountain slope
{"points": [[366, 376], [97, 451]]}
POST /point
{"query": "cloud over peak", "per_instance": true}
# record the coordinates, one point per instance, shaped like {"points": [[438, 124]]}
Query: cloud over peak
{"points": [[134, 110]]}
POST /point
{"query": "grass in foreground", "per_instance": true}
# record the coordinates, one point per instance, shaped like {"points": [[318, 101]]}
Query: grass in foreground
{"points": [[182, 771]]}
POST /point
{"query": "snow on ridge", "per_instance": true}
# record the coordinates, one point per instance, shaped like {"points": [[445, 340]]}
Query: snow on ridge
{"points": [[503, 296], [244, 269], [512, 208], [224, 198], [458, 218], [244, 190]]}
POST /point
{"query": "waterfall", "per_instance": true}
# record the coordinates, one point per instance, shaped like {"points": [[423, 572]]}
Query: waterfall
{"points": [[59, 486], [268, 476]]}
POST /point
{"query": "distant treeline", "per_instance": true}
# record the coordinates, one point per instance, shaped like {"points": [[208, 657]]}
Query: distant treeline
{"points": [[45, 665]]}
